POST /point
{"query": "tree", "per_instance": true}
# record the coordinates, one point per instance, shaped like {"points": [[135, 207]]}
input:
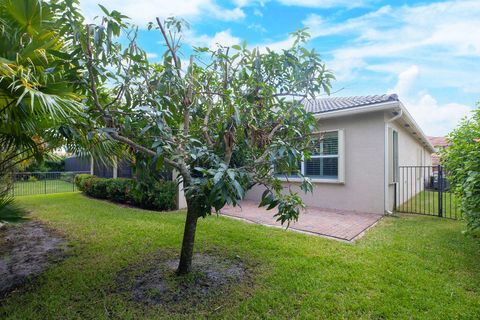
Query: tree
{"points": [[461, 158], [222, 121], [38, 83]]}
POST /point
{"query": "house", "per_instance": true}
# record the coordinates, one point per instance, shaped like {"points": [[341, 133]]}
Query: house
{"points": [[439, 143], [362, 144], [356, 159]]}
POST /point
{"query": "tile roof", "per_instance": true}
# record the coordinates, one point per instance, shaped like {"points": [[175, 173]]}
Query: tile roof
{"points": [[439, 142], [339, 103]]}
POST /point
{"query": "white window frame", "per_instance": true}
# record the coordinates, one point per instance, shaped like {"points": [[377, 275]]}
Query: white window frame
{"points": [[395, 157], [341, 161], [392, 154]]}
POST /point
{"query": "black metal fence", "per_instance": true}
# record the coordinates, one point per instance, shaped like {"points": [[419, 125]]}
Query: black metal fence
{"points": [[425, 190], [31, 183]]}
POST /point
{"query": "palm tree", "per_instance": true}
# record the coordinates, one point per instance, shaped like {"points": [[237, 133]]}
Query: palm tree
{"points": [[38, 81]]}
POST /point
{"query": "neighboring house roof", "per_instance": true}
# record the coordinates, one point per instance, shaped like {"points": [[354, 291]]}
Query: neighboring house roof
{"points": [[439, 142], [339, 103], [330, 107]]}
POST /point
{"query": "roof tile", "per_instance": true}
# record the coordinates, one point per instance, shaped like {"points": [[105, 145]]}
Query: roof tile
{"points": [[323, 105]]}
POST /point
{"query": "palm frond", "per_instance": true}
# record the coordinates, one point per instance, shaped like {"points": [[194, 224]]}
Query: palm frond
{"points": [[10, 211]]}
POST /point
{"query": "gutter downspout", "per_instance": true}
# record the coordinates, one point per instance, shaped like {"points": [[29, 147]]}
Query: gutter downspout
{"points": [[385, 161]]}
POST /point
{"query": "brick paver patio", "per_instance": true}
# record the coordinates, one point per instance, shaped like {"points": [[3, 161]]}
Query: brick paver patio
{"points": [[338, 224]]}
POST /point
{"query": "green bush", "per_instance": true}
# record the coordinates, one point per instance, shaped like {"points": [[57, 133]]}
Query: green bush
{"points": [[80, 180], [119, 190], [159, 195], [165, 195], [96, 187], [46, 166], [461, 159]]}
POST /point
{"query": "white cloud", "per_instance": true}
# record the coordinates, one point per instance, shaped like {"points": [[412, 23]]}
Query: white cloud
{"points": [[257, 27], [152, 55], [434, 118], [346, 70], [224, 38], [257, 12], [246, 3], [450, 29], [325, 3], [399, 33], [143, 11], [275, 45], [406, 80]]}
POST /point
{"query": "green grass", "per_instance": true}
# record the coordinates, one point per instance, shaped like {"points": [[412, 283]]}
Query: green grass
{"points": [[407, 267], [427, 202], [24, 188]]}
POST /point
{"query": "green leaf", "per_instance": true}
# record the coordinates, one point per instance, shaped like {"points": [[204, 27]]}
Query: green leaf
{"points": [[104, 10]]}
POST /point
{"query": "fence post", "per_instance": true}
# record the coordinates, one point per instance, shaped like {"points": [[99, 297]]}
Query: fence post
{"points": [[440, 191]]}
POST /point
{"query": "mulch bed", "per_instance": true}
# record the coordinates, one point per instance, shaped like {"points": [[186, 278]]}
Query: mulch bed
{"points": [[153, 281], [26, 250]]}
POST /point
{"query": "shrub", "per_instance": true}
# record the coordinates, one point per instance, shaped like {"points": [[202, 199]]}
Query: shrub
{"points": [[96, 187], [32, 179], [164, 195], [158, 195], [119, 190], [80, 180], [461, 158], [46, 166]]}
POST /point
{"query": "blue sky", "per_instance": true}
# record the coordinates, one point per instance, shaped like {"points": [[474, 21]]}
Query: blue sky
{"points": [[428, 52]]}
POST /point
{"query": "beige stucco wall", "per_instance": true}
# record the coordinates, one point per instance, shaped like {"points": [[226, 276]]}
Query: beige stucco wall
{"points": [[363, 189], [411, 153]]}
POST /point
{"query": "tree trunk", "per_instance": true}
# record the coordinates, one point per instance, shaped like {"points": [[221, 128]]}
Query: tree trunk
{"points": [[186, 255]]}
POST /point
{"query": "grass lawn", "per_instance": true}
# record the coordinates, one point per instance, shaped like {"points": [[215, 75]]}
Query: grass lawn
{"points": [[427, 202], [407, 267], [24, 188]]}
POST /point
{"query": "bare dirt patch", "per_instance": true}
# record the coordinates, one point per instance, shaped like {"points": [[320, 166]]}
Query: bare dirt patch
{"points": [[26, 250], [153, 281]]}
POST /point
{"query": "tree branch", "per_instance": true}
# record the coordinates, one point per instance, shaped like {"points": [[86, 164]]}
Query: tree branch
{"points": [[118, 97], [270, 137], [275, 129], [93, 80], [141, 148], [108, 120], [170, 47], [187, 101], [205, 125]]}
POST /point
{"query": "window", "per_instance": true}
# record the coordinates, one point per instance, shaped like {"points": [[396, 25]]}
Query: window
{"points": [[323, 163], [326, 161], [395, 166], [290, 171]]}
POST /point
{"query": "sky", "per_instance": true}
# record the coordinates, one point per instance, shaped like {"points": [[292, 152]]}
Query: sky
{"points": [[428, 52]]}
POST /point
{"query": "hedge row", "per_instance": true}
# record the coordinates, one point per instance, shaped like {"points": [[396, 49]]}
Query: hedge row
{"points": [[161, 195]]}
